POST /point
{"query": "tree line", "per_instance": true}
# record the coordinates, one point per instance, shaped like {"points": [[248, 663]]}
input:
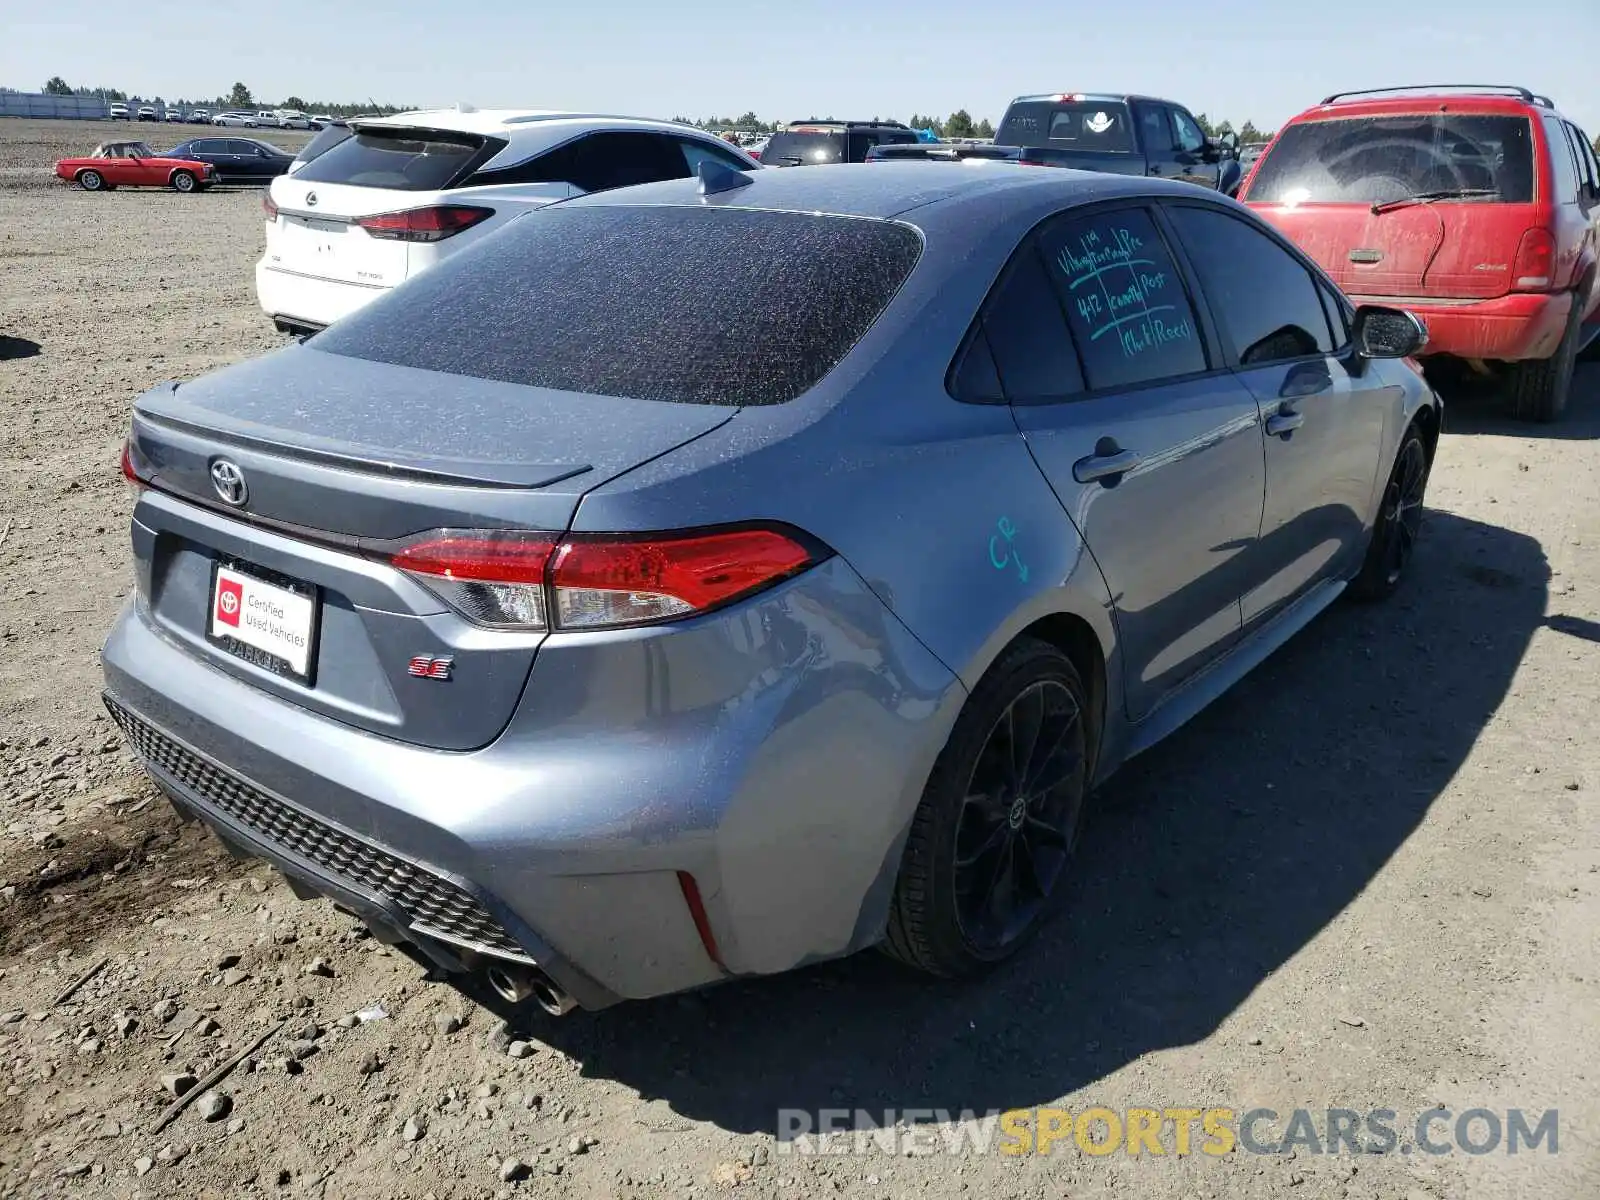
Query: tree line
{"points": [[958, 124], [239, 97]]}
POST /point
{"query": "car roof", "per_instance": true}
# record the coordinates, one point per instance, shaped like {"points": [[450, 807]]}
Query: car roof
{"points": [[891, 189], [1090, 97], [506, 122], [1508, 101]]}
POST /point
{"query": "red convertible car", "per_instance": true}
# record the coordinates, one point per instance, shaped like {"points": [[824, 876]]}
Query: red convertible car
{"points": [[135, 164]]}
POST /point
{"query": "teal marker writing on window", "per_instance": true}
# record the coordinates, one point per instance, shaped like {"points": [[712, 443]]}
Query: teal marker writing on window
{"points": [[1119, 290]]}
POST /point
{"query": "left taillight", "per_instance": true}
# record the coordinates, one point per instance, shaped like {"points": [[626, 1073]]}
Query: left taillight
{"points": [[130, 471], [268, 206], [424, 224], [515, 580]]}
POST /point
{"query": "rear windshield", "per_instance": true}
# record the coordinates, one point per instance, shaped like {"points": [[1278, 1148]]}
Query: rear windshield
{"points": [[687, 305], [326, 138], [1374, 160], [804, 149], [406, 160], [1088, 125]]}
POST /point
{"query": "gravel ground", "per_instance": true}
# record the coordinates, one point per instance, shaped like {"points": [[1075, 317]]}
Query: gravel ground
{"points": [[1367, 878]]}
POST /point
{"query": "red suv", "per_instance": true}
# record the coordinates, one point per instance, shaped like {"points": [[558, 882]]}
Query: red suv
{"points": [[1478, 208]]}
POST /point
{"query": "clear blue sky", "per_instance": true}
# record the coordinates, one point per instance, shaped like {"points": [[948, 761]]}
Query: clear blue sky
{"points": [[1258, 59]]}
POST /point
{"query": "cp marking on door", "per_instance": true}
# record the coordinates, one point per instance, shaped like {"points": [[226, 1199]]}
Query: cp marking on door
{"points": [[426, 667]]}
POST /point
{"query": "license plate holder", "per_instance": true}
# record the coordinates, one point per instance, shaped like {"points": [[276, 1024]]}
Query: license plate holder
{"points": [[266, 618]]}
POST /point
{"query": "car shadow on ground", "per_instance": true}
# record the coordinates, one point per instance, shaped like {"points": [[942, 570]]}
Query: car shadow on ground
{"points": [[14, 347], [1209, 862], [1474, 406]]}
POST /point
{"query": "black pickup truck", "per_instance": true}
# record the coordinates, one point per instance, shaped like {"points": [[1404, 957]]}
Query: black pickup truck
{"points": [[1118, 134]]}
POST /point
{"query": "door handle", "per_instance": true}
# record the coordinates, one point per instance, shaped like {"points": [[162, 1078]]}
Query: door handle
{"points": [[1106, 468], [1282, 424]]}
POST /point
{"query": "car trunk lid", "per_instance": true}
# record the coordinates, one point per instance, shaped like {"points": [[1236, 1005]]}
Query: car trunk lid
{"points": [[340, 462]]}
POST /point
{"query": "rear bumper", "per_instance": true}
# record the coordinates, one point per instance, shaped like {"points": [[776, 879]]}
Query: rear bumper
{"points": [[307, 301], [1517, 326], [775, 752]]}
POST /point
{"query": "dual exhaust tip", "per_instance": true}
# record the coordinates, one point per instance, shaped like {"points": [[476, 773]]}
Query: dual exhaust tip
{"points": [[515, 984]]}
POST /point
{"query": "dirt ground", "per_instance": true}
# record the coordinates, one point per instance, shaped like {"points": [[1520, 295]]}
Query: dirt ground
{"points": [[1368, 878]]}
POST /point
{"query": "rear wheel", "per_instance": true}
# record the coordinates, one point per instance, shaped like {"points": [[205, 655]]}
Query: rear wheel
{"points": [[184, 181], [91, 181], [1394, 536], [999, 818], [1538, 387]]}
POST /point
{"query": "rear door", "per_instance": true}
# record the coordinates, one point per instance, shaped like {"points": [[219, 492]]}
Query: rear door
{"points": [[1347, 192], [247, 160], [1152, 448], [1324, 409]]}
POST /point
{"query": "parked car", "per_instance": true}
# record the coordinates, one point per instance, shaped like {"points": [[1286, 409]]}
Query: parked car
{"points": [[668, 690], [236, 119], [1478, 208], [812, 143], [173, 114], [291, 118], [401, 193], [1249, 153], [757, 148], [321, 120], [1114, 133], [118, 112], [267, 118], [134, 164], [200, 116], [236, 160], [147, 113]]}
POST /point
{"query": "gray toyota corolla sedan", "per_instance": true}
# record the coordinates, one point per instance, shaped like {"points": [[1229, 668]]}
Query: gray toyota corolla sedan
{"points": [[702, 579]]}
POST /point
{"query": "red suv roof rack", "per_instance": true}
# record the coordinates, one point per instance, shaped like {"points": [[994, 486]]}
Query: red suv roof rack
{"points": [[1510, 89]]}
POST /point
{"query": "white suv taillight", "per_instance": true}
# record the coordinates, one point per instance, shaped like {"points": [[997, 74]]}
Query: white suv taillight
{"points": [[509, 579], [424, 224]]}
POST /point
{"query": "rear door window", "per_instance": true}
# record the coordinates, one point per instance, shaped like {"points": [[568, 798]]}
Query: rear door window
{"points": [[1264, 299], [1094, 126], [719, 306], [1563, 167], [1124, 298], [405, 160], [1375, 160], [1027, 334]]}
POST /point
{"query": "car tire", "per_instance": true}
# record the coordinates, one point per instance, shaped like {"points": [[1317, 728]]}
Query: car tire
{"points": [[184, 181], [1399, 522], [986, 826], [91, 181], [1538, 387]]}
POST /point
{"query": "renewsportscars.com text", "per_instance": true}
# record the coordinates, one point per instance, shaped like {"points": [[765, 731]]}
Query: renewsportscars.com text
{"points": [[1098, 1131]]}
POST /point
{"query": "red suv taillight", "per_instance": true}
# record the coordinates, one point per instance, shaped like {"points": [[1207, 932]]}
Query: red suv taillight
{"points": [[424, 224], [1534, 268], [268, 207], [515, 580]]}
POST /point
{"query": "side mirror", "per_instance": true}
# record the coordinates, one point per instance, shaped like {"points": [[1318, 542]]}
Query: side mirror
{"points": [[1387, 332]]}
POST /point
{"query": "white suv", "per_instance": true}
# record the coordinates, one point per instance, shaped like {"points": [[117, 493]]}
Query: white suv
{"points": [[403, 192]]}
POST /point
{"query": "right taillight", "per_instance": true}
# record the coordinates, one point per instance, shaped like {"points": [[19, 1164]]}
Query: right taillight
{"points": [[1534, 268], [268, 207], [424, 224], [509, 579]]}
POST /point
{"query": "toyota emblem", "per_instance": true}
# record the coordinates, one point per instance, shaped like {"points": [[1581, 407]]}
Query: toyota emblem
{"points": [[311, 199], [228, 481]]}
